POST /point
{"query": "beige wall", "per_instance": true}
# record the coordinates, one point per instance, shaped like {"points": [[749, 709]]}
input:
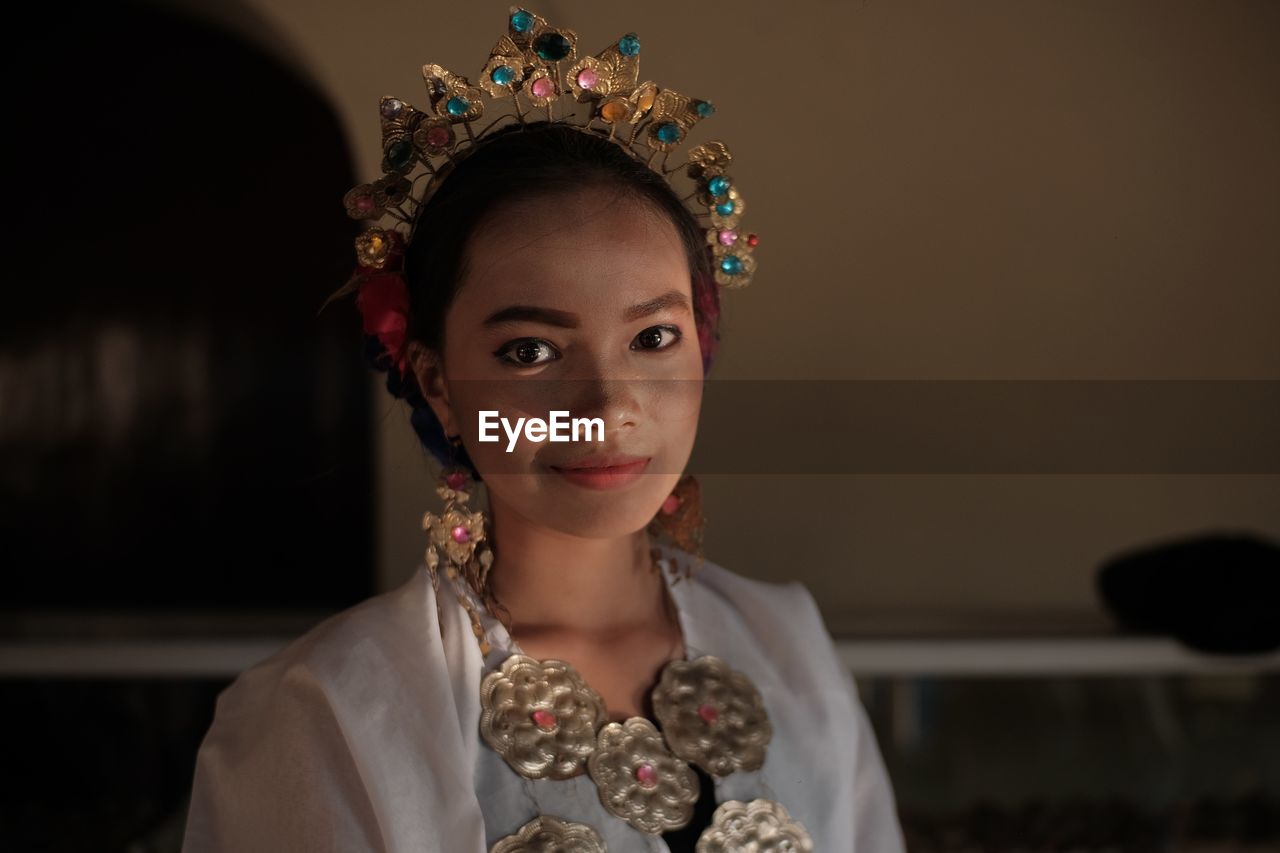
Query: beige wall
{"points": [[968, 190]]}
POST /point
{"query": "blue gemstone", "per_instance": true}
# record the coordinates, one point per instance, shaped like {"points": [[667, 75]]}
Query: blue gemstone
{"points": [[503, 74], [725, 208], [457, 106], [667, 133], [522, 21], [629, 45], [718, 185], [731, 264], [705, 108]]}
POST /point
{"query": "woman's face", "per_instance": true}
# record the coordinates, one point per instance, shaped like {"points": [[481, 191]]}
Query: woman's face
{"points": [[580, 303]]}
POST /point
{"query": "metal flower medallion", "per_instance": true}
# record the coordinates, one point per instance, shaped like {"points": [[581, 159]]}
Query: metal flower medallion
{"points": [[640, 780], [712, 715], [547, 834], [760, 826], [540, 716]]}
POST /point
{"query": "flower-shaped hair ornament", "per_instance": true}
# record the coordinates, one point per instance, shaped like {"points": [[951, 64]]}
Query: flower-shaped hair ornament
{"points": [[540, 716], [760, 826], [672, 117], [547, 834], [640, 780], [613, 71], [712, 715], [377, 249]]}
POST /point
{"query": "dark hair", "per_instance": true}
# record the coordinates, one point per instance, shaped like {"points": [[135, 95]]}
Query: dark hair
{"points": [[513, 164]]}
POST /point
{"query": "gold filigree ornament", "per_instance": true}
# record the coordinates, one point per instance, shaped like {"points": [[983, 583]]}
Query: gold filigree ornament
{"points": [[457, 540], [712, 716], [760, 826], [534, 73], [640, 780], [548, 834]]}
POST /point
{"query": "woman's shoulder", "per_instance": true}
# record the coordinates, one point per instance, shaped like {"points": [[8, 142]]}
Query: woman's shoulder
{"points": [[367, 641]]}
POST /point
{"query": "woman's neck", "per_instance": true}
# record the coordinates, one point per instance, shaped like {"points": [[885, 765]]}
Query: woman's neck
{"points": [[551, 580]]}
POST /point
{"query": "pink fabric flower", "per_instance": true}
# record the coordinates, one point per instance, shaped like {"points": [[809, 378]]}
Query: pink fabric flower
{"points": [[383, 301]]}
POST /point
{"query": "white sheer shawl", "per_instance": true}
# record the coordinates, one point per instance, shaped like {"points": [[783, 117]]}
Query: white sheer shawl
{"points": [[363, 733]]}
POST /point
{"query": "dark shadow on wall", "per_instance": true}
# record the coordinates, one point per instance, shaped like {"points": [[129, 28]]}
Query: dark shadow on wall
{"points": [[178, 429], [184, 444]]}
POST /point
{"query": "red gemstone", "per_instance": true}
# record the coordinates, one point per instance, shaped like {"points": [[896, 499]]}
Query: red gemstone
{"points": [[670, 505], [364, 203], [460, 534], [587, 78], [456, 480], [752, 240], [438, 137], [708, 712], [647, 775], [544, 719]]}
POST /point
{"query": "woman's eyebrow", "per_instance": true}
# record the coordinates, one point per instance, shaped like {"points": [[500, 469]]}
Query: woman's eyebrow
{"points": [[532, 313], [670, 299]]}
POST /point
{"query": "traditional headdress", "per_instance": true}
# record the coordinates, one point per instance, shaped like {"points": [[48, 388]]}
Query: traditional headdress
{"points": [[530, 73]]}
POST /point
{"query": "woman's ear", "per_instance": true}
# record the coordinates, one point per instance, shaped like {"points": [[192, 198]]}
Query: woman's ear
{"points": [[428, 368]]}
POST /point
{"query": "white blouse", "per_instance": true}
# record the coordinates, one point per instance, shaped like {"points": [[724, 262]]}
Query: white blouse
{"points": [[363, 734]]}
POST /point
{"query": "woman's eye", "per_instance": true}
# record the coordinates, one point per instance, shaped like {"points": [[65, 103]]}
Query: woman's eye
{"points": [[527, 352], [654, 337]]}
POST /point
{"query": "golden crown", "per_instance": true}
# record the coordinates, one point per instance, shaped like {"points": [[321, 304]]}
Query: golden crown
{"points": [[533, 69]]}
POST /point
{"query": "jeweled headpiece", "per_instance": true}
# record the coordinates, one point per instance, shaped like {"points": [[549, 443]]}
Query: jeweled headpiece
{"points": [[534, 72]]}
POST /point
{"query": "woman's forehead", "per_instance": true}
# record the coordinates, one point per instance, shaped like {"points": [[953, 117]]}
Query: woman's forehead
{"points": [[564, 250]]}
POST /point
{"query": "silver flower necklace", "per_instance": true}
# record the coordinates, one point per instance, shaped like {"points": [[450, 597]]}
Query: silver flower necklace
{"points": [[546, 722]]}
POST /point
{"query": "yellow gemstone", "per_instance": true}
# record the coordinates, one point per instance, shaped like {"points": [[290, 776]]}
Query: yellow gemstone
{"points": [[646, 100], [614, 111]]}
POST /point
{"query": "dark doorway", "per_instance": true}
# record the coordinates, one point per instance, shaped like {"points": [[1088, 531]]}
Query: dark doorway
{"points": [[178, 428]]}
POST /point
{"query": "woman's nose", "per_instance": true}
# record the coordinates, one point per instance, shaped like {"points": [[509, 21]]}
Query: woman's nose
{"points": [[616, 401]]}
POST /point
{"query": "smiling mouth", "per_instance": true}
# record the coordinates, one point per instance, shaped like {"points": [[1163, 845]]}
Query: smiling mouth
{"points": [[614, 475]]}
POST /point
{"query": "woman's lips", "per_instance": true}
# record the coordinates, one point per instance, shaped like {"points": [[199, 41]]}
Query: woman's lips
{"points": [[607, 473]]}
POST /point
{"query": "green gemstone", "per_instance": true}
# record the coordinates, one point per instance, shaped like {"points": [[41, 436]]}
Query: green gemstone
{"points": [[400, 154], [552, 46]]}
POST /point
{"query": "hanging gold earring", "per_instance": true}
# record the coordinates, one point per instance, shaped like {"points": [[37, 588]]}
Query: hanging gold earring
{"points": [[457, 538], [680, 518]]}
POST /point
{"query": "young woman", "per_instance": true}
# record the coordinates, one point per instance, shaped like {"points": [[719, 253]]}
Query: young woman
{"points": [[559, 674]]}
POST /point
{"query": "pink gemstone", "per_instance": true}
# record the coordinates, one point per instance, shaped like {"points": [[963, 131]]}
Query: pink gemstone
{"points": [[460, 534], [438, 137], [670, 505], [543, 87], [544, 719], [647, 775], [455, 480], [587, 78], [364, 203], [728, 238], [708, 712]]}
